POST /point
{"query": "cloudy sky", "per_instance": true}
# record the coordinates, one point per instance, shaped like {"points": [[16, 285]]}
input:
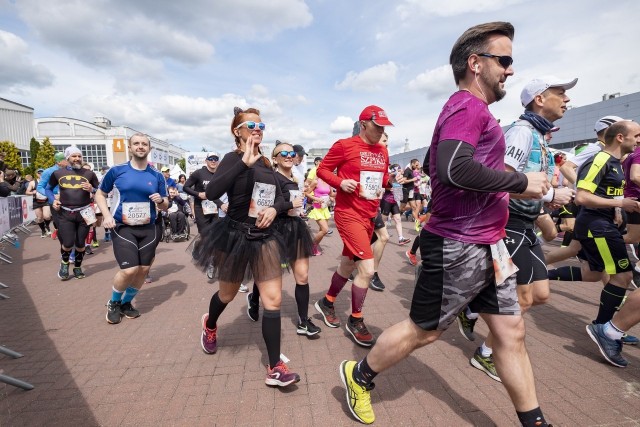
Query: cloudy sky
{"points": [[175, 70]]}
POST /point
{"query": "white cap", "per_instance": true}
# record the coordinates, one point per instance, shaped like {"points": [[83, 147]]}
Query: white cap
{"points": [[213, 153], [536, 86], [70, 151], [605, 122]]}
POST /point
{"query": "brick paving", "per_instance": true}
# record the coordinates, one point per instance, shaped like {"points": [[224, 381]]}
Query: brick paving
{"points": [[152, 371]]}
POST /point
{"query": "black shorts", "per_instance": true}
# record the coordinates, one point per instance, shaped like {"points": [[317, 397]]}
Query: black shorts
{"points": [[389, 208], [72, 229], [453, 275], [603, 247], [378, 222], [526, 253], [202, 220], [569, 211], [135, 245], [406, 192], [417, 196]]}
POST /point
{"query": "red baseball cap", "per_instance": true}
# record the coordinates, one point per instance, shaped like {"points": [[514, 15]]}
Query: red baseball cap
{"points": [[376, 115]]}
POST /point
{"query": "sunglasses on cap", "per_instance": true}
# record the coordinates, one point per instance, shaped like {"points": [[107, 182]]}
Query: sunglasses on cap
{"points": [[252, 125], [290, 154], [213, 158], [504, 60]]}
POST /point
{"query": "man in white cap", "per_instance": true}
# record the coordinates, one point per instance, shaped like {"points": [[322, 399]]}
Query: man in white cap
{"points": [[75, 214], [166, 172], [206, 211], [545, 101]]}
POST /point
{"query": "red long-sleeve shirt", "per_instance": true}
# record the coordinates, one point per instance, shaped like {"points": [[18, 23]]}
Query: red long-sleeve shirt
{"points": [[352, 158]]}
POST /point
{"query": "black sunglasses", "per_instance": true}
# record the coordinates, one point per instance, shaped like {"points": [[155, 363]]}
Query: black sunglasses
{"points": [[213, 158], [504, 60]]}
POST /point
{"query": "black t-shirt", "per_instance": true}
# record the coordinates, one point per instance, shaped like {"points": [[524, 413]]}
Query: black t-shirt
{"points": [[408, 174], [197, 183], [286, 185], [240, 182], [601, 175], [70, 181]]}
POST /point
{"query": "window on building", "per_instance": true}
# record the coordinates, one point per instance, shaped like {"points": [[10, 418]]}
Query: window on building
{"points": [[25, 158], [91, 153]]}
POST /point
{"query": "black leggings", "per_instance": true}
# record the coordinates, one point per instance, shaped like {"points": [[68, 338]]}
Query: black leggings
{"points": [[72, 229]]}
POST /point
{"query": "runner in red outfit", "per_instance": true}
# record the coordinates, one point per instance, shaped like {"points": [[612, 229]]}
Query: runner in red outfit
{"points": [[362, 171]]}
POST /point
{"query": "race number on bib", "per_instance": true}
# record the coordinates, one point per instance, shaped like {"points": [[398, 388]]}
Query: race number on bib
{"points": [[209, 207], [370, 185], [294, 194], [262, 197], [89, 215], [173, 208], [502, 263], [136, 213]]}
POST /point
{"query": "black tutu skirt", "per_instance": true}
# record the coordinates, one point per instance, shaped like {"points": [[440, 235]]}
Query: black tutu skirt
{"points": [[235, 252], [297, 238]]}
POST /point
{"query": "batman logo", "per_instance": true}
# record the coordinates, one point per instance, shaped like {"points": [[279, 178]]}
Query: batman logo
{"points": [[72, 181]]}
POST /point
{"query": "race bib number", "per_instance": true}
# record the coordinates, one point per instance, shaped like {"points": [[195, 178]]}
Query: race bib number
{"points": [[370, 185], [136, 213], [411, 194], [502, 263], [294, 194], [324, 201], [209, 207], [173, 208], [89, 215], [40, 197], [262, 197], [184, 196]]}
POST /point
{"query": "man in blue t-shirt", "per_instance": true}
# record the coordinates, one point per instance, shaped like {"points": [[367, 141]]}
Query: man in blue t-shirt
{"points": [[138, 189]]}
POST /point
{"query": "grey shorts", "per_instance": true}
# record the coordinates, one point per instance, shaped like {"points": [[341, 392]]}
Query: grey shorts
{"points": [[453, 275]]}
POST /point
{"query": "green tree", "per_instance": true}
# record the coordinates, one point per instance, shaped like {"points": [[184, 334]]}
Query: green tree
{"points": [[34, 147], [12, 160], [44, 159], [183, 164]]}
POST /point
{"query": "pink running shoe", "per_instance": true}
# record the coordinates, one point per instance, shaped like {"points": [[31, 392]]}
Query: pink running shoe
{"points": [[280, 375]]}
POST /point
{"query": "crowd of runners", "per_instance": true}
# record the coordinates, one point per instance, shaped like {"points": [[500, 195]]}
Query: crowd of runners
{"points": [[482, 201]]}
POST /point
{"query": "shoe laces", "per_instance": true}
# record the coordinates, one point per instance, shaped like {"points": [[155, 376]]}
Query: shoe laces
{"points": [[210, 334], [360, 326], [281, 366]]}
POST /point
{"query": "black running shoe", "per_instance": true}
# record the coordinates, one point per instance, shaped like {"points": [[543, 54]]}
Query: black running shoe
{"points": [[253, 310], [114, 315], [129, 311], [77, 273], [306, 327], [63, 273], [376, 284]]}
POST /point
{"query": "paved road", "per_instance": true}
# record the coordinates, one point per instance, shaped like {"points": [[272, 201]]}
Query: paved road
{"points": [[152, 371]]}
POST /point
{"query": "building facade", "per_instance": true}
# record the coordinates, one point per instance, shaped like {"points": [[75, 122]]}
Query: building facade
{"points": [[100, 142], [16, 125]]}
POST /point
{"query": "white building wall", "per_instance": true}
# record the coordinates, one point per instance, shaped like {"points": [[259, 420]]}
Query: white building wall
{"points": [[16, 123]]}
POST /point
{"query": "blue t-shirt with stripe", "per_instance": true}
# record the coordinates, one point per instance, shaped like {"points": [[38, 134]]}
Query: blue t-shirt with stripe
{"points": [[131, 185]]}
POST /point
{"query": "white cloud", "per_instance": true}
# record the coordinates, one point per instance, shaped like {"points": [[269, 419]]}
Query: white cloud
{"points": [[451, 8], [342, 124], [17, 69], [436, 83], [371, 79]]}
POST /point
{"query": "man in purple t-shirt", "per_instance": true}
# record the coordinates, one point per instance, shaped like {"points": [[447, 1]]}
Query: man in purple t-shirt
{"points": [[469, 211]]}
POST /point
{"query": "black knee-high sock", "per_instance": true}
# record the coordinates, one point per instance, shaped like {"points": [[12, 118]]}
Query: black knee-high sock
{"points": [[255, 294], [46, 223], [302, 300], [94, 235], [41, 225], [216, 307], [532, 418], [65, 255], [568, 237], [271, 322], [567, 274], [416, 245], [610, 299], [79, 258]]}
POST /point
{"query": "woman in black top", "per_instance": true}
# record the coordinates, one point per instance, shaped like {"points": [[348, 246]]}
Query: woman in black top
{"points": [[298, 240], [244, 244]]}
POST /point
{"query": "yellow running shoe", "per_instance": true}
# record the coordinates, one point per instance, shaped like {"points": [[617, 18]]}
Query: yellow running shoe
{"points": [[358, 397], [418, 225]]}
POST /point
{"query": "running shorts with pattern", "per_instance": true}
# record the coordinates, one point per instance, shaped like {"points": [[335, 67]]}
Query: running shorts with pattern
{"points": [[135, 245], [526, 253], [453, 275]]}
